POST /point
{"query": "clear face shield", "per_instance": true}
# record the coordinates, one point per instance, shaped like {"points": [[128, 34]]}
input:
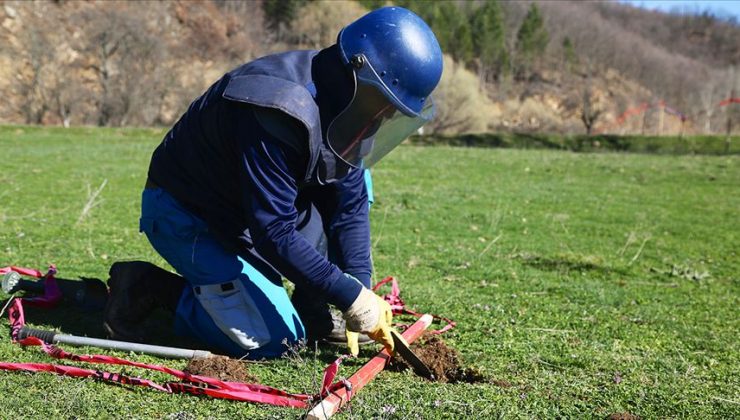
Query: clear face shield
{"points": [[372, 125]]}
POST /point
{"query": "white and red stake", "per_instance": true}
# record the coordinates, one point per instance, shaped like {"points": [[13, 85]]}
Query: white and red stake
{"points": [[332, 403]]}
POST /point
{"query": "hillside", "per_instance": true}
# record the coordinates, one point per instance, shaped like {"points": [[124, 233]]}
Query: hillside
{"points": [[118, 63]]}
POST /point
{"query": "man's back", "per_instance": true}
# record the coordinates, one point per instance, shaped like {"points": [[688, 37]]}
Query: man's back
{"points": [[200, 160]]}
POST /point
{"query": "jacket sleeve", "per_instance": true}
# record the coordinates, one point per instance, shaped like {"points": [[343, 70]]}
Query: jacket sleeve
{"points": [[269, 190], [346, 207]]}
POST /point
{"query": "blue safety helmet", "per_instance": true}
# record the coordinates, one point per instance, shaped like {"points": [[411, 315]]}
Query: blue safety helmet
{"points": [[397, 62]]}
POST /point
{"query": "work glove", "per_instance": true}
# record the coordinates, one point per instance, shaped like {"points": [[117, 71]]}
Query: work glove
{"points": [[371, 315]]}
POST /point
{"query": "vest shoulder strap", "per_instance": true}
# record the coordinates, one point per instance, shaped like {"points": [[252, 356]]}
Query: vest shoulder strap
{"points": [[282, 95]]}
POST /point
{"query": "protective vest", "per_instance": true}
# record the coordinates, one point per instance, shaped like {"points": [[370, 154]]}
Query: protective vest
{"points": [[195, 162], [283, 82]]}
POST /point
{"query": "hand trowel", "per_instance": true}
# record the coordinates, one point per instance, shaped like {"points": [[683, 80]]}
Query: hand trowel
{"points": [[401, 347]]}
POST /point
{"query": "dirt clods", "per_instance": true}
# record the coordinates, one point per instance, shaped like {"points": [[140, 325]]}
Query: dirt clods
{"points": [[443, 361], [622, 416], [502, 383], [220, 367]]}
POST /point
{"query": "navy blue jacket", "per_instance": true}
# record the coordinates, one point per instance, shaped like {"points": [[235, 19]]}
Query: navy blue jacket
{"points": [[231, 164]]}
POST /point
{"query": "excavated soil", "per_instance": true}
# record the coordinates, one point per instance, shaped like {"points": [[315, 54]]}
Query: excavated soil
{"points": [[220, 367], [443, 361]]}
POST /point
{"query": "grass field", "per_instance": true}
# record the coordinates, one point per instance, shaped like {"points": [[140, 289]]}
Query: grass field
{"points": [[592, 283]]}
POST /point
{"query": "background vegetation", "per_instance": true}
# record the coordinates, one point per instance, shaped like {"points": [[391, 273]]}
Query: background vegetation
{"points": [[569, 67]]}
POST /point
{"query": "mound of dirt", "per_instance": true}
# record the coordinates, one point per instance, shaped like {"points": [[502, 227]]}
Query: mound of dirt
{"points": [[443, 361], [220, 367]]}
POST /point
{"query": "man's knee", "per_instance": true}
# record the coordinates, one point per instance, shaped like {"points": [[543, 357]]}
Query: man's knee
{"points": [[249, 316]]}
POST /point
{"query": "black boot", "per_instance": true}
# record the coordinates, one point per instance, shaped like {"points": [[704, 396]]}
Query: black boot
{"points": [[314, 313], [136, 289], [322, 323]]}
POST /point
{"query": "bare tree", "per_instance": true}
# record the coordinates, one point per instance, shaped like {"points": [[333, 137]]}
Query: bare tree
{"points": [[731, 110], [231, 31], [589, 113], [708, 96], [44, 83], [319, 21], [64, 98], [125, 53], [31, 84]]}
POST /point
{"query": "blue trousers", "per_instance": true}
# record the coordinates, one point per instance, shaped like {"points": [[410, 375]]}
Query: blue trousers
{"points": [[229, 304]]}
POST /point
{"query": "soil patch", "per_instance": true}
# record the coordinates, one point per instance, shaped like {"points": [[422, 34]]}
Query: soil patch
{"points": [[221, 367], [443, 361], [501, 383], [622, 416]]}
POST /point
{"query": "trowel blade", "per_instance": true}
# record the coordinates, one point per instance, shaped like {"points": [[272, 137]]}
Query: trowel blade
{"points": [[402, 348]]}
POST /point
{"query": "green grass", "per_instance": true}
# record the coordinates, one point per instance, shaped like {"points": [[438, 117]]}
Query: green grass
{"points": [[593, 283]]}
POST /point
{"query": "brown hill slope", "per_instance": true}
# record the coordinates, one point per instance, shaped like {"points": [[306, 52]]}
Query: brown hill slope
{"points": [[130, 63], [681, 63]]}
